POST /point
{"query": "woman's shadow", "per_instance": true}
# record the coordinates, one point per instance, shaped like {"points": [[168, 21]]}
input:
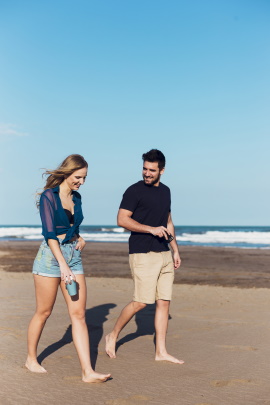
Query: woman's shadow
{"points": [[95, 318]]}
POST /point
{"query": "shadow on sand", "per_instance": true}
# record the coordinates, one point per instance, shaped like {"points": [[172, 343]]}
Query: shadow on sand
{"points": [[95, 318], [145, 325]]}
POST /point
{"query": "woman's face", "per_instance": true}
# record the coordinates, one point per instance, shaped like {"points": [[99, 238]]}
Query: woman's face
{"points": [[76, 179]]}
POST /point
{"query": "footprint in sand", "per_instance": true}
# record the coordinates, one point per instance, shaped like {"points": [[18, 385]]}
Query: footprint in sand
{"points": [[238, 348], [131, 400], [233, 382]]}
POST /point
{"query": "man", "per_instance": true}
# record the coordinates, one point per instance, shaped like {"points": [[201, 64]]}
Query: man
{"points": [[145, 210]]}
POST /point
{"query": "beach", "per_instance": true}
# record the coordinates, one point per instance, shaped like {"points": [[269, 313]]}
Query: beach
{"points": [[200, 265], [219, 324]]}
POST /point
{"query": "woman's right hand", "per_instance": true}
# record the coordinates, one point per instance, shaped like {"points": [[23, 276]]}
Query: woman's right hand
{"points": [[66, 274]]}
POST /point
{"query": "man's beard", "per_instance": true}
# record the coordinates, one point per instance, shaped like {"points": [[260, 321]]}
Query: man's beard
{"points": [[152, 182]]}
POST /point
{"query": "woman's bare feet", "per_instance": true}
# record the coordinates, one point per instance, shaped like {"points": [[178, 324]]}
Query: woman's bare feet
{"points": [[168, 357], [34, 366], [110, 346], [95, 377]]}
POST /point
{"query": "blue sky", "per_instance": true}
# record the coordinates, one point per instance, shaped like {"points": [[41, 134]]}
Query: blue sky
{"points": [[112, 79]]}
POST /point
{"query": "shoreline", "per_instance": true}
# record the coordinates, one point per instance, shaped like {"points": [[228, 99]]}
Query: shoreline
{"points": [[15, 240], [217, 266]]}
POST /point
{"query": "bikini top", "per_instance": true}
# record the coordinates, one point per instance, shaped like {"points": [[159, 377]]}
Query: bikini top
{"points": [[70, 216], [54, 219]]}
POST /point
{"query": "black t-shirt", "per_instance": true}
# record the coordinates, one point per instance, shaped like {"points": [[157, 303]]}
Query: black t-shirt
{"points": [[151, 206]]}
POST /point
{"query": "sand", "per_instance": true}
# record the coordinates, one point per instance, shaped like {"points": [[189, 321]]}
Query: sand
{"points": [[222, 333], [200, 265]]}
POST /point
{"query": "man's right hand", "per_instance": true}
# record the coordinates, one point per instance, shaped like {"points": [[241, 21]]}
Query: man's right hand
{"points": [[160, 231]]}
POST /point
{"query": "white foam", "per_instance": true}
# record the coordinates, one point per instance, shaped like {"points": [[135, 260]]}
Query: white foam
{"points": [[20, 232], [118, 234], [33, 237], [105, 237], [118, 229], [252, 237]]}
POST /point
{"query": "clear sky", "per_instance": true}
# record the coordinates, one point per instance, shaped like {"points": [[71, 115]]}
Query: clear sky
{"points": [[111, 79]]}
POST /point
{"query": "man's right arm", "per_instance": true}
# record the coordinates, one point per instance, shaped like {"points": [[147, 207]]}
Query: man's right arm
{"points": [[125, 221]]}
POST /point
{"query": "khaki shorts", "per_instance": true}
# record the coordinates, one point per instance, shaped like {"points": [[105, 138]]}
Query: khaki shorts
{"points": [[153, 275]]}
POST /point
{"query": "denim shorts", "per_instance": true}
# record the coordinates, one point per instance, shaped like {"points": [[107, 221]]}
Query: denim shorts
{"points": [[45, 263]]}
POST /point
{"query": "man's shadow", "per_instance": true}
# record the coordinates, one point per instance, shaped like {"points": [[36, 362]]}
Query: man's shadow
{"points": [[95, 318], [145, 321]]}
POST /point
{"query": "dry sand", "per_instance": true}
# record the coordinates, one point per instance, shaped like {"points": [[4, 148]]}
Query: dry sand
{"points": [[222, 333]]}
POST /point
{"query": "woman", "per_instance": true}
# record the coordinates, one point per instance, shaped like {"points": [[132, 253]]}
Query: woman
{"points": [[59, 261]]}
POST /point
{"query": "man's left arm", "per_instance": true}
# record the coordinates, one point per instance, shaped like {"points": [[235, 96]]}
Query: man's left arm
{"points": [[173, 244]]}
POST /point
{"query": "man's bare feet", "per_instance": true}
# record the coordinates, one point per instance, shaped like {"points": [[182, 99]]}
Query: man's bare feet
{"points": [[168, 357], [34, 366], [110, 346], [95, 377]]}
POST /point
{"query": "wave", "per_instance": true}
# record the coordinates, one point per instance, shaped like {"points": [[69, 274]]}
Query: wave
{"points": [[252, 237], [105, 237], [20, 232], [31, 233], [202, 237], [120, 230]]}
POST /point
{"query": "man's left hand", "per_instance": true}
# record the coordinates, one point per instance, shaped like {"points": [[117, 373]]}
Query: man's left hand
{"points": [[176, 260]]}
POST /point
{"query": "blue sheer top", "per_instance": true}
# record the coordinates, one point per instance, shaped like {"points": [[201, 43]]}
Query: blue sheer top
{"points": [[53, 217]]}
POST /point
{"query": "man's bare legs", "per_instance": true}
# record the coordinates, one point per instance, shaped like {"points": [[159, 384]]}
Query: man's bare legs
{"points": [[127, 313], [46, 291], [161, 326]]}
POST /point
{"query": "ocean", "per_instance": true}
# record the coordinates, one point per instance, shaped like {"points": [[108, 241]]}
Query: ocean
{"points": [[257, 237]]}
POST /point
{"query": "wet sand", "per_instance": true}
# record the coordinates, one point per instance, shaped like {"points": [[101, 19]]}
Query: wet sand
{"points": [[200, 265], [222, 333]]}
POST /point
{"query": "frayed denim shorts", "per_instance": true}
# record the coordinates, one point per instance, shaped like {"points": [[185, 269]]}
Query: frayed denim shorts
{"points": [[45, 263]]}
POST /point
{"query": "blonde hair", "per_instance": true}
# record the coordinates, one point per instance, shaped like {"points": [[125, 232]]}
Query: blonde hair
{"points": [[64, 170]]}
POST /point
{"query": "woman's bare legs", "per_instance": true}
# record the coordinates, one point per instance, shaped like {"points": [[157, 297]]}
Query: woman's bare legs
{"points": [[46, 291], [76, 309]]}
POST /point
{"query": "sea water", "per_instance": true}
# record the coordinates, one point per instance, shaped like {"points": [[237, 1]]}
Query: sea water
{"points": [[223, 236]]}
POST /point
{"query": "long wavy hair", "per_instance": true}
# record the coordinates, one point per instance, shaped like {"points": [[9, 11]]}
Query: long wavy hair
{"points": [[64, 170]]}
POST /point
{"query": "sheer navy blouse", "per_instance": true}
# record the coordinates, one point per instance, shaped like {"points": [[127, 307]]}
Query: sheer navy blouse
{"points": [[53, 217]]}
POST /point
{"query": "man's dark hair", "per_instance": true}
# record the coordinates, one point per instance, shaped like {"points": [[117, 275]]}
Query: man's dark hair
{"points": [[154, 155]]}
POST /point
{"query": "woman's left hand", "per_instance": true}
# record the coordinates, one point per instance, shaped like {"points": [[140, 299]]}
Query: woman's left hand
{"points": [[80, 244]]}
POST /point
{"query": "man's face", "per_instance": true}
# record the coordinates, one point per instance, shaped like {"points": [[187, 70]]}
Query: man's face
{"points": [[151, 173]]}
